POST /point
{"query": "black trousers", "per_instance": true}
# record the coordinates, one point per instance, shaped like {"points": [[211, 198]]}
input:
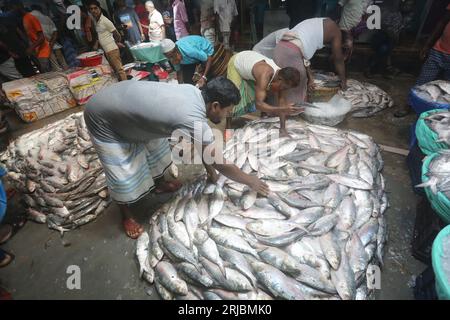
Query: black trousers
{"points": [[188, 71]]}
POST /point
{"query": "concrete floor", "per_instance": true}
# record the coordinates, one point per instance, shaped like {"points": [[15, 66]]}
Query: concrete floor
{"points": [[105, 255]]}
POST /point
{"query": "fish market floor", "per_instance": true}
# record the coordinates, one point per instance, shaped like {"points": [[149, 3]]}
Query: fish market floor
{"points": [[105, 255]]}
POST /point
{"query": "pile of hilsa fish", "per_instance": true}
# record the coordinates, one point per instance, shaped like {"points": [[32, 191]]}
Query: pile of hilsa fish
{"points": [[367, 99], [439, 174], [439, 122], [313, 237], [435, 91], [58, 174]]}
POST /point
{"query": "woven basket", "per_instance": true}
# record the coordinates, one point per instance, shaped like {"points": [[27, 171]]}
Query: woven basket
{"points": [[322, 94]]}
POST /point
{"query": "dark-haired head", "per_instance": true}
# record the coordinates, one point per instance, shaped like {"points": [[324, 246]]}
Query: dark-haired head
{"points": [[285, 78], [220, 95], [94, 8], [17, 6], [36, 7]]}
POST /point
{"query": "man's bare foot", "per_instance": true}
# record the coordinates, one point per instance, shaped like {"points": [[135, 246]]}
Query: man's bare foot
{"points": [[168, 186], [132, 228], [284, 133]]}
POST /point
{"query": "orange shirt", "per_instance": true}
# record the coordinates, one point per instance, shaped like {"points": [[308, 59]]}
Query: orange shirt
{"points": [[32, 28], [443, 44]]}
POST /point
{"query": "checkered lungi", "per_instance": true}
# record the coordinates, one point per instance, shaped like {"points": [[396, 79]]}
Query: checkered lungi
{"points": [[437, 63], [131, 168]]}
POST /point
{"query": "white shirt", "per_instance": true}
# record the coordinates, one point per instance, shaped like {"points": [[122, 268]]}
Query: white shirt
{"points": [[48, 26], [227, 10], [105, 29], [310, 33], [246, 60], [154, 27], [352, 13]]}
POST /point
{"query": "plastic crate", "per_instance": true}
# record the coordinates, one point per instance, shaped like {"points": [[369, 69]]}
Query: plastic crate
{"points": [[426, 228], [425, 287], [90, 59]]}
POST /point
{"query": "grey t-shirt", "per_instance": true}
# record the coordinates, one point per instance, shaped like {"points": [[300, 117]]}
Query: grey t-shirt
{"points": [[132, 111]]}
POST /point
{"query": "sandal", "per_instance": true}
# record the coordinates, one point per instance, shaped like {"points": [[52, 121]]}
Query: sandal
{"points": [[132, 228], [168, 186], [6, 232], [9, 257], [14, 227]]}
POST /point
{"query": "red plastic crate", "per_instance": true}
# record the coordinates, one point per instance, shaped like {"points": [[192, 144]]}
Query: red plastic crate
{"points": [[91, 61]]}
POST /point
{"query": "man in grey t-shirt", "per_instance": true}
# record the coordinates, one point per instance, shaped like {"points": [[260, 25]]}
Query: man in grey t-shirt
{"points": [[130, 123]]}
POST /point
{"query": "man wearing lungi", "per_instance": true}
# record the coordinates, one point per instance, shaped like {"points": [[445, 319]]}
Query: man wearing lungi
{"points": [[186, 54], [257, 76], [296, 47], [130, 123]]}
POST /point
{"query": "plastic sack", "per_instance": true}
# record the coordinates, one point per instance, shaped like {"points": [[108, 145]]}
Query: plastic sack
{"points": [[441, 263], [329, 113], [439, 202], [426, 137]]}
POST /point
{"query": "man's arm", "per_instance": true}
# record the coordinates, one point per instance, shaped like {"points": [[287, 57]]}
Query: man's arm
{"points": [[136, 19], [39, 41], [261, 94], [53, 39], [117, 36], [338, 58], [203, 80], [310, 75], [232, 172]]}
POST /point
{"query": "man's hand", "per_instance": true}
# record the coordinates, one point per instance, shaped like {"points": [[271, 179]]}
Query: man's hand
{"points": [[201, 83], [257, 185], [291, 109], [120, 45], [213, 176]]}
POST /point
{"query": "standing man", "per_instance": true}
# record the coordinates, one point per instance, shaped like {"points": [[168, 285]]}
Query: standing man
{"points": [[351, 13], [257, 76], [129, 20], [108, 38], [437, 64], [57, 60], [180, 19], [226, 11], [142, 13], [186, 54], [39, 46], [156, 27], [208, 21], [130, 132]]}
